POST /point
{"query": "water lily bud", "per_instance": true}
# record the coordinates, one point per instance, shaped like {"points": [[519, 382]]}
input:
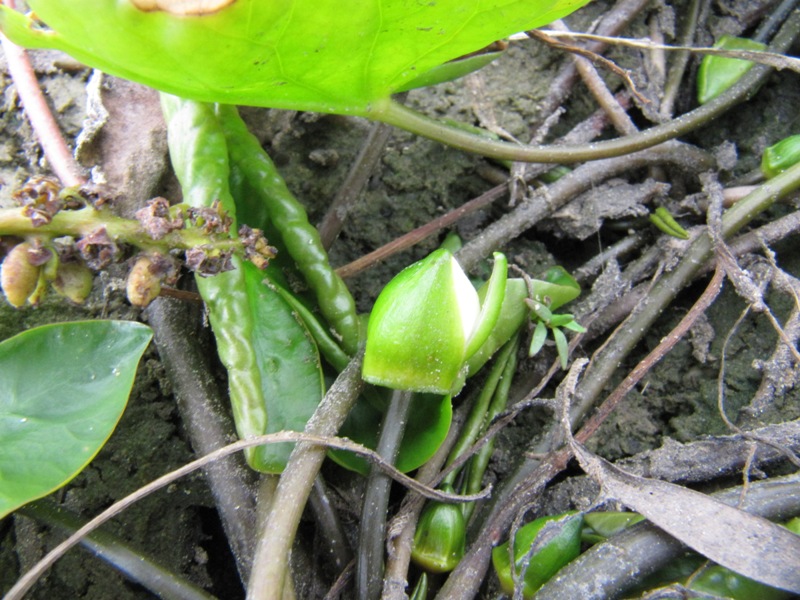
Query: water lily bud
{"points": [[779, 157], [423, 326], [19, 278], [561, 547], [440, 539], [144, 282], [73, 281]]}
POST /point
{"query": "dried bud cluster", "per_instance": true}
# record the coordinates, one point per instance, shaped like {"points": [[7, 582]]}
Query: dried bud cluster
{"points": [[66, 264], [157, 220], [41, 198], [256, 247]]}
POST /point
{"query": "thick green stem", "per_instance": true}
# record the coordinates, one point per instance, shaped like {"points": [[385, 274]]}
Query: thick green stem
{"points": [[80, 223], [410, 120]]}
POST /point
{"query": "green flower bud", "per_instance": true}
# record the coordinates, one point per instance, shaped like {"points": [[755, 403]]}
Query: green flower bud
{"points": [[427, 322], [440, 539], [718, 73], [562, 547], [779, 157], [19, 277], [73, 281]]}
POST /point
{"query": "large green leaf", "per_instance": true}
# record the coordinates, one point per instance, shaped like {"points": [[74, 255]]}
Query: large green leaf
{"points": [[63, 388], [321, 55]]}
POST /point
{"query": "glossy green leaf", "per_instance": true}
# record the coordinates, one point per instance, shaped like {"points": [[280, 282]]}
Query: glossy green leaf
{"points": [[297, 54], [63, 388], [428, 424], [538, 338], [288, 362]]}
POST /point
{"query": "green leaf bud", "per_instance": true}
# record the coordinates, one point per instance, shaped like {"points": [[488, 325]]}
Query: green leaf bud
{"points": [[562, 546], [779, 157], [426, 323], [19, 277], [440, 539], [718, 73]]}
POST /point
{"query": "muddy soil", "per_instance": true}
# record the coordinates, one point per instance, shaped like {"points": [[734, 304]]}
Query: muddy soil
{"points": [[416, 181]]}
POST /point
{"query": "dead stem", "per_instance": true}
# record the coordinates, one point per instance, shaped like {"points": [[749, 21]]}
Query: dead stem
{"points": [[45, 126], [354, 183]]}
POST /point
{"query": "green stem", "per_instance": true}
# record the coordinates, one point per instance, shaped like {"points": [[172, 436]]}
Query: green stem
{"points": [[406, 118], [478, 415], [369, 562], [82, 222]]}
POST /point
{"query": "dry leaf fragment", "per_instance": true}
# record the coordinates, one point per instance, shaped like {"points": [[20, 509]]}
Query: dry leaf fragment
{"points": [[742, 542]]}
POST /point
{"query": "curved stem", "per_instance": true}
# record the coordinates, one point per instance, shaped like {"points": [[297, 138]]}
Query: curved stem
{"points": [[369, 562], [406, 118]]}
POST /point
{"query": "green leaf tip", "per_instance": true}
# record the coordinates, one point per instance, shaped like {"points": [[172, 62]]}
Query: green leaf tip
{"points": [[718, 73], [440, 538]]}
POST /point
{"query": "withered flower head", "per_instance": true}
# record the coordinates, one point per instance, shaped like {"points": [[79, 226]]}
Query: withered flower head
{"points": [[156, 219], [97, 249]]}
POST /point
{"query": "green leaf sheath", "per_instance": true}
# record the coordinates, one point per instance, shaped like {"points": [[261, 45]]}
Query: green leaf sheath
{"points": [[200, 159], [299, 237]]}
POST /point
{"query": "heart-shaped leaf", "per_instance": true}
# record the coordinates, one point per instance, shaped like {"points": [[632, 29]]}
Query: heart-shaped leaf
{"points": [[315, 55], [63, 388]]}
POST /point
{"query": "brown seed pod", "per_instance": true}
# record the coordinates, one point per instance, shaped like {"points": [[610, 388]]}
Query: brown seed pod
{"points": [[183, 7], [73, 281], [144, 282], [19, 278]]}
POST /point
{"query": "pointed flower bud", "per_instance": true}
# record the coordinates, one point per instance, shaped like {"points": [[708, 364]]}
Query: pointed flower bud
{"points": [[440, 539], [427, 322]]}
